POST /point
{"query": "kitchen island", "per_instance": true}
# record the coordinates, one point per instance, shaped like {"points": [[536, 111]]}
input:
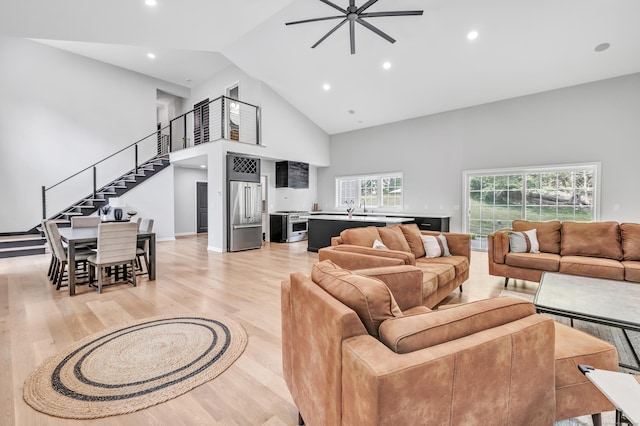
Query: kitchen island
{"points": [[324, 226]]}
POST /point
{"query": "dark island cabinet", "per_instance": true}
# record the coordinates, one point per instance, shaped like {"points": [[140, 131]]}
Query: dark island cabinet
{"points": [[292, 174], [432, 223]]}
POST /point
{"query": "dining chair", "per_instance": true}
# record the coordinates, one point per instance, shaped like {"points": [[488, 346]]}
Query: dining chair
{"points": [[116, 247], [142, 250], [61, 254], [53, 264], [85, 221]]}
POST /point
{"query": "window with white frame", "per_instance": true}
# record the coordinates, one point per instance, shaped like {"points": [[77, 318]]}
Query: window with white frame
{"points": [[370, 191], [494, 198]]}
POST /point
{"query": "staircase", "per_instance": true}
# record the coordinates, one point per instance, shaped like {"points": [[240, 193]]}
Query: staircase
{"points": [[33, 242]]}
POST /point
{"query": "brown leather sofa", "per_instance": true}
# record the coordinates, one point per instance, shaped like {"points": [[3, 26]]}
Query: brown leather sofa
{"points": [[363, 350], [597, 249], [353, 250]]}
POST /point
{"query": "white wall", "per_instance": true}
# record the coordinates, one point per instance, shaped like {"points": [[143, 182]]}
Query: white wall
{"points": [[286, 133], [595, 122], [153, 199], [185, 198], [59, 113]]}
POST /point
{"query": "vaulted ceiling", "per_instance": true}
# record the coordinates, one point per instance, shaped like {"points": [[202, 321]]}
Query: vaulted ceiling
{"points": [[523, 47]]}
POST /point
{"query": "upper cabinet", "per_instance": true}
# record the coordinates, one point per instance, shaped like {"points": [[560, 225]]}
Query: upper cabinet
{"points": [[292, 174]]}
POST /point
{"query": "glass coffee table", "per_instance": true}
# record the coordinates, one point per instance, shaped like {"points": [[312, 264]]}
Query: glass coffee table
{"points": [[608, 302]]}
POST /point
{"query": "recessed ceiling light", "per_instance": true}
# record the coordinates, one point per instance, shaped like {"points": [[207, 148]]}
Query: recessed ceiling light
{"points": [[351, 111], [151, 55], [150, 2], [472, 35], [202, 166], [187, 79], [326, 86], [602, 47], [386, 65]]}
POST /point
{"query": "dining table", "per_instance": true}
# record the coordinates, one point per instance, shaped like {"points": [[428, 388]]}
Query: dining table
{"points": [[75, 237]]}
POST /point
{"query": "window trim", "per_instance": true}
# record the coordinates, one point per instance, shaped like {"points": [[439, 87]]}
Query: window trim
{"points": [[596, 166], [378, 177]]}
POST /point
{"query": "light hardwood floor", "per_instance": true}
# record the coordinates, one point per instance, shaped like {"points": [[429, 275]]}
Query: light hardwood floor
{"points": [[37, 321]]}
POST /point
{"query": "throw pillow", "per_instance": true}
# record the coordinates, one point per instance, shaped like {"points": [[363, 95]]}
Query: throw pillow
{"points": [[360, 236], [377, 244], [435, 246], [369, 297], [393, 238], [548, 233], [412, 234], [524, 242]]}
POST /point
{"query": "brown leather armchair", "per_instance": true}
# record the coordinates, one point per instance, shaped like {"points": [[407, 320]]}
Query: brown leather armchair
{"points": [[363, 350]]}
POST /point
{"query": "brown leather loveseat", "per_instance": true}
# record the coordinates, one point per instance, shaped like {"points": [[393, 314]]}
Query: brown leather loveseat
{"points": [[404, 245], [596, 249], [363, 350]]}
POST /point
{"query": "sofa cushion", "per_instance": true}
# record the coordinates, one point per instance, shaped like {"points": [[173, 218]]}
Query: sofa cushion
{"points": [[393, 238], [592, 267], [594, 239], [360, 236], [445, 273], [435, 246], [523, 242], [411, 333], [548, 233], [631, 270], [460, 263], [412, 235], [370, 298], [541, 261], [630, 233]]}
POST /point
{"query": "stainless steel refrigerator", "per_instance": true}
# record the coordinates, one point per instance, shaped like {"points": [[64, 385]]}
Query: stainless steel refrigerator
{"points": [[245, 215]]}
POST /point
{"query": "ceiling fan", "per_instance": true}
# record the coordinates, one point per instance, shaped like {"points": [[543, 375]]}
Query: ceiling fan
{"points": [[355, 14]]}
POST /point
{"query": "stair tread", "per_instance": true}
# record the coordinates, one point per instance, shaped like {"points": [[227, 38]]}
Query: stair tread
{"points": [[19, 249], [15, 238]]}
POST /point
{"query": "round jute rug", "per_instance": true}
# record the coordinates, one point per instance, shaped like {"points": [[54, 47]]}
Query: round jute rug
{"points": [[129, 368]]}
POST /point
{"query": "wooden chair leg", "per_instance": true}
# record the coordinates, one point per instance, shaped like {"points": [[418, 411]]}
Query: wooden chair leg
{"points": [[596, 419], [100, 279], [63, 266], [51, 265], [300, 420], [506, 281]]}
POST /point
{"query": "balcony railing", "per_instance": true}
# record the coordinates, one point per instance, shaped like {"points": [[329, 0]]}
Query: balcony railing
{"points": [[222, 118]]}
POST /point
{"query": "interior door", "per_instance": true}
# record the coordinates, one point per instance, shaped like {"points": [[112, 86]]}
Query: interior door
{"points": [[201, 122], [202, 207]]}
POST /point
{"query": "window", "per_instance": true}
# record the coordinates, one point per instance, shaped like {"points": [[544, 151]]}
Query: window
{"points": [[495, 198], [374, 191]]}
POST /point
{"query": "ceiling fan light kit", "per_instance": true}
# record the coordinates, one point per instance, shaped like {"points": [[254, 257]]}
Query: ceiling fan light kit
{"points": [[353, 15]]}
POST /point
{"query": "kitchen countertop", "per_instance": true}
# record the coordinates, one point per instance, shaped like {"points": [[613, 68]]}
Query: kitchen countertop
{"points": [[385, 214], [368, 218]]}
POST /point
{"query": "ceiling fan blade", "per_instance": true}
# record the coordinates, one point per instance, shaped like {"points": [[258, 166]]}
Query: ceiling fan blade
{"points": [[335, 6], [365, 6], [396, 13], [375, 30], [314, 19], [329, 33], [352, 36]]}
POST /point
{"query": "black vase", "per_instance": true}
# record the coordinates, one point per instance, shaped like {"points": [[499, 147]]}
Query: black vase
{"points": [[117, 214]]}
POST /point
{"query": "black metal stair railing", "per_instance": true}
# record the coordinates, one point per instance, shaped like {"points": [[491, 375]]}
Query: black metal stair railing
{"points": [[224, 118]]}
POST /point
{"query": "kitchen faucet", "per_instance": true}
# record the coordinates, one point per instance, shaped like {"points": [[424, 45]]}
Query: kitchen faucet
{"points": [[363, 204]]}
